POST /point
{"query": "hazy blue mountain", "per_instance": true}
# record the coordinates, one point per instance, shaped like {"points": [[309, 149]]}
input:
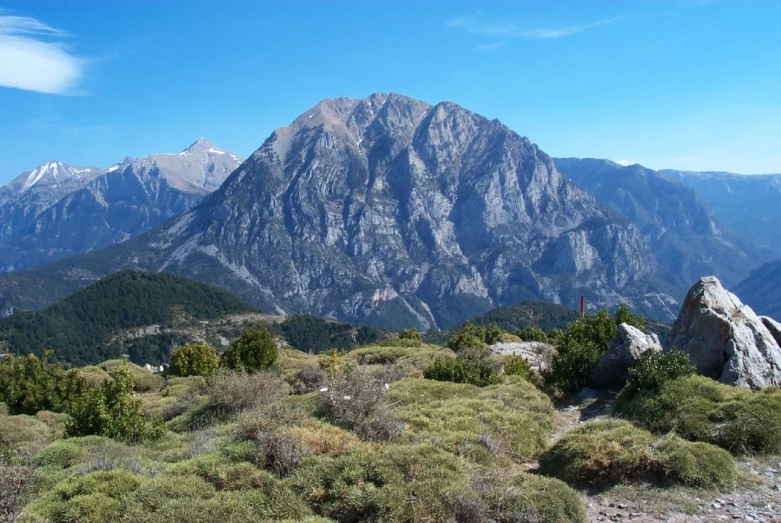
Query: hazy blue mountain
{"points": [[391, 212]]}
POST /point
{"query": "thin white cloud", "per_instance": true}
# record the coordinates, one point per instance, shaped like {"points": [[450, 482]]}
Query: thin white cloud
{"points": [[511, 30], [32, 61], [490, 47]]}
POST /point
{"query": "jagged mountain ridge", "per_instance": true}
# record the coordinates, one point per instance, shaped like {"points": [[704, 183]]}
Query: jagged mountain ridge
{"points": [[57, 210], [684, 233], [393, 212], [747, 203]]}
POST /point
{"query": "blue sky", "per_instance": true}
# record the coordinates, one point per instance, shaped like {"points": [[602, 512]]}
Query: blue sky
{"points": [[681, 84]]}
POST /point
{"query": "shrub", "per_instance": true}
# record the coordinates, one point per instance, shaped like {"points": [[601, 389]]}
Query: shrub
{"points": [[236, 391], [29, 384], [572, 365], [625, 315], [113, 411], [533, 334], [700, 409], [143, 380], [15, 483], [196, 359], [357, 399], [470, 336], [377, 483], [608, 452], [255, 350], [412, 335], [512, 419], [654, 369], [501, 496], [515, 365], [471, 366]]}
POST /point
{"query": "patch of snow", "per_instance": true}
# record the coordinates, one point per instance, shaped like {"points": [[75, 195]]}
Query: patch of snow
{"points": [[112, 168], [37, 174], [215, 151]]}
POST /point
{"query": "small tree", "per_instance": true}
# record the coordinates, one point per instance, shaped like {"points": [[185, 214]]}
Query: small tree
{"points": [[533, 334], [112, 410], [29, 384], [196, 359], [625, 315], [253, 351], [411, 334]]}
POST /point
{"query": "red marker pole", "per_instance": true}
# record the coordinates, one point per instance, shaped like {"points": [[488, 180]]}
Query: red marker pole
{"points": [[582, 306]]}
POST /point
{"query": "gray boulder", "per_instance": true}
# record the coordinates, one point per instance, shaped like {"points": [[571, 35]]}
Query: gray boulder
{"points": [[625, 349], [774, 327], [539, 354], [725, 339]]}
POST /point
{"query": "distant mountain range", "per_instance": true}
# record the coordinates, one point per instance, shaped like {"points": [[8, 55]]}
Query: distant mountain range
{"points": [[58, 210], [385, 211]]}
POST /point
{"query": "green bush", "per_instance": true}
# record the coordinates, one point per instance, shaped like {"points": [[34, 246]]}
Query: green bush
{"points": [[377, 483], [255, 350], [29, 384], [412, 335], [654, 369], [112, 410], [533, 334], [193, 359], [515, 365], [470, 366], [470, 336], [625, 315], [700, 409], [572, 365], [143, 380], [508, 420], [609, 452]]}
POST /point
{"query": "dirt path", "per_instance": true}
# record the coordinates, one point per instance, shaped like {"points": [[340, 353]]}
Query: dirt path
{"points": [[757, 497]]}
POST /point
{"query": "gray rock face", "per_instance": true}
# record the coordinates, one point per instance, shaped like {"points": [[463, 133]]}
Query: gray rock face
{"points": [[725, 339], [773, 327], [57, 210], [389, 207], [539, 354], [624, 351], [684, 233]]}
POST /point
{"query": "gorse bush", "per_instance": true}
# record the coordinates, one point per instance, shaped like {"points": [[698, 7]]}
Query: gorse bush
{"points": [[470, 366], [654, 369], [112, 410], [196, 359], [700, 409], [515, 365], [29, 384], [613, 451], [255, 350]]}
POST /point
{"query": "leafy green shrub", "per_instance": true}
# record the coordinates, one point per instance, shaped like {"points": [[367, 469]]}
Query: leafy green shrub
{"points": [[113, 411], [572, 365], [193, 359], [237, 391], [411, 335], [533, 334], [625, 315], [143, 380], [357, 399], [470, 336], [255, 350], [515, 365], [700, 409], [29, 384], [654, 369], [470, 366], [613, 451], [511, 419]]}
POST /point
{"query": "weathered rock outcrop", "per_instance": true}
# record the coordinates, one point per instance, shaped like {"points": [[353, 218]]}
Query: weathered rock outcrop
{"points": [[624, 351], [725, 339], [774, 327], [539, 354]]}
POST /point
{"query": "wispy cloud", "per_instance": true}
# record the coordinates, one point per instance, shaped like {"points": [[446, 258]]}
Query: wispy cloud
{"points": [[490, 47], [33, 60], [511, 31]]}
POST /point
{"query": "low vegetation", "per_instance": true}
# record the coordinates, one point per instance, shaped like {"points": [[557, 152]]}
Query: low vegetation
{"points": [[614, 451]]}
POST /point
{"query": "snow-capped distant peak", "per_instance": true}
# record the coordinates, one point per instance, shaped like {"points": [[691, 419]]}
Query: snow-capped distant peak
{"points": [[39, 172]]}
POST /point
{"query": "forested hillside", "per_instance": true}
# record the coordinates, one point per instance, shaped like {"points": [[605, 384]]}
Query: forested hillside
{"points": [[83, 328]]}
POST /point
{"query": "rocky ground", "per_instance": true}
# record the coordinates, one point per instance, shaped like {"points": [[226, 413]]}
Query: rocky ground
{"points": [[756, 498]]}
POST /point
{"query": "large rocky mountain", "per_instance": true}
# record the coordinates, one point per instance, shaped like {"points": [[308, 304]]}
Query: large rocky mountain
{"points": [[392, 212], [684, 233], [59, 210], [747, 203]]}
